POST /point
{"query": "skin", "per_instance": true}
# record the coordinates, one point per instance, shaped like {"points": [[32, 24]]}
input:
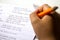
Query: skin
{"points": [[47, 27]]}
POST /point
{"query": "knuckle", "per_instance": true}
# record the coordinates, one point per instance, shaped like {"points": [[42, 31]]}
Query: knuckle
{"points": [[45, 4], [31, 14], [35, 21]]}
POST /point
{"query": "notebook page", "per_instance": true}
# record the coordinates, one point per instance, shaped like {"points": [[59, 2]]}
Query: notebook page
{"points": [[15, 23]]}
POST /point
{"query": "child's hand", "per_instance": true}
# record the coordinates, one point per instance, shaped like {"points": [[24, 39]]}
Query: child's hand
{"points": [[43, 27]]}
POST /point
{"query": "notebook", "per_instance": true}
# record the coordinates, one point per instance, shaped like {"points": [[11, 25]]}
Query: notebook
{"points": [[15, 23]]}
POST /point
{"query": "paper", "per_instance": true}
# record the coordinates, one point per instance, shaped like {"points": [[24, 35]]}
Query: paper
{"points": [[15, 23]]}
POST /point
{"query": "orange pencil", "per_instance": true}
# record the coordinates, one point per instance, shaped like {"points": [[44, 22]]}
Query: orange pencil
{"points": [[47, 11]]}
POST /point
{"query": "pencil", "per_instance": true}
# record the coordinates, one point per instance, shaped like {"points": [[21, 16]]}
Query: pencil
{"points": [[47, 11]]}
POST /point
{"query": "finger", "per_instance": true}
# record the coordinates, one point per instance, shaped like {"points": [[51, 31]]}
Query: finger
{"points": [[39, 9], [47, 23], [46, 17], [47, 20], [34, 18], [45, 7], [42, 8]]}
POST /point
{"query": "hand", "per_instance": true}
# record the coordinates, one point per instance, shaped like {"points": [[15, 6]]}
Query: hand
{"points": [[45, 28]]}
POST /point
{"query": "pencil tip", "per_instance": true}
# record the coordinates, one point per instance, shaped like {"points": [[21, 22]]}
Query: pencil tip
{"points": [[54, 8]]}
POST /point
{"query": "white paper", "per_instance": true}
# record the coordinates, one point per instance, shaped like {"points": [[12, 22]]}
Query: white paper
{"points": [[15, 23]]}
